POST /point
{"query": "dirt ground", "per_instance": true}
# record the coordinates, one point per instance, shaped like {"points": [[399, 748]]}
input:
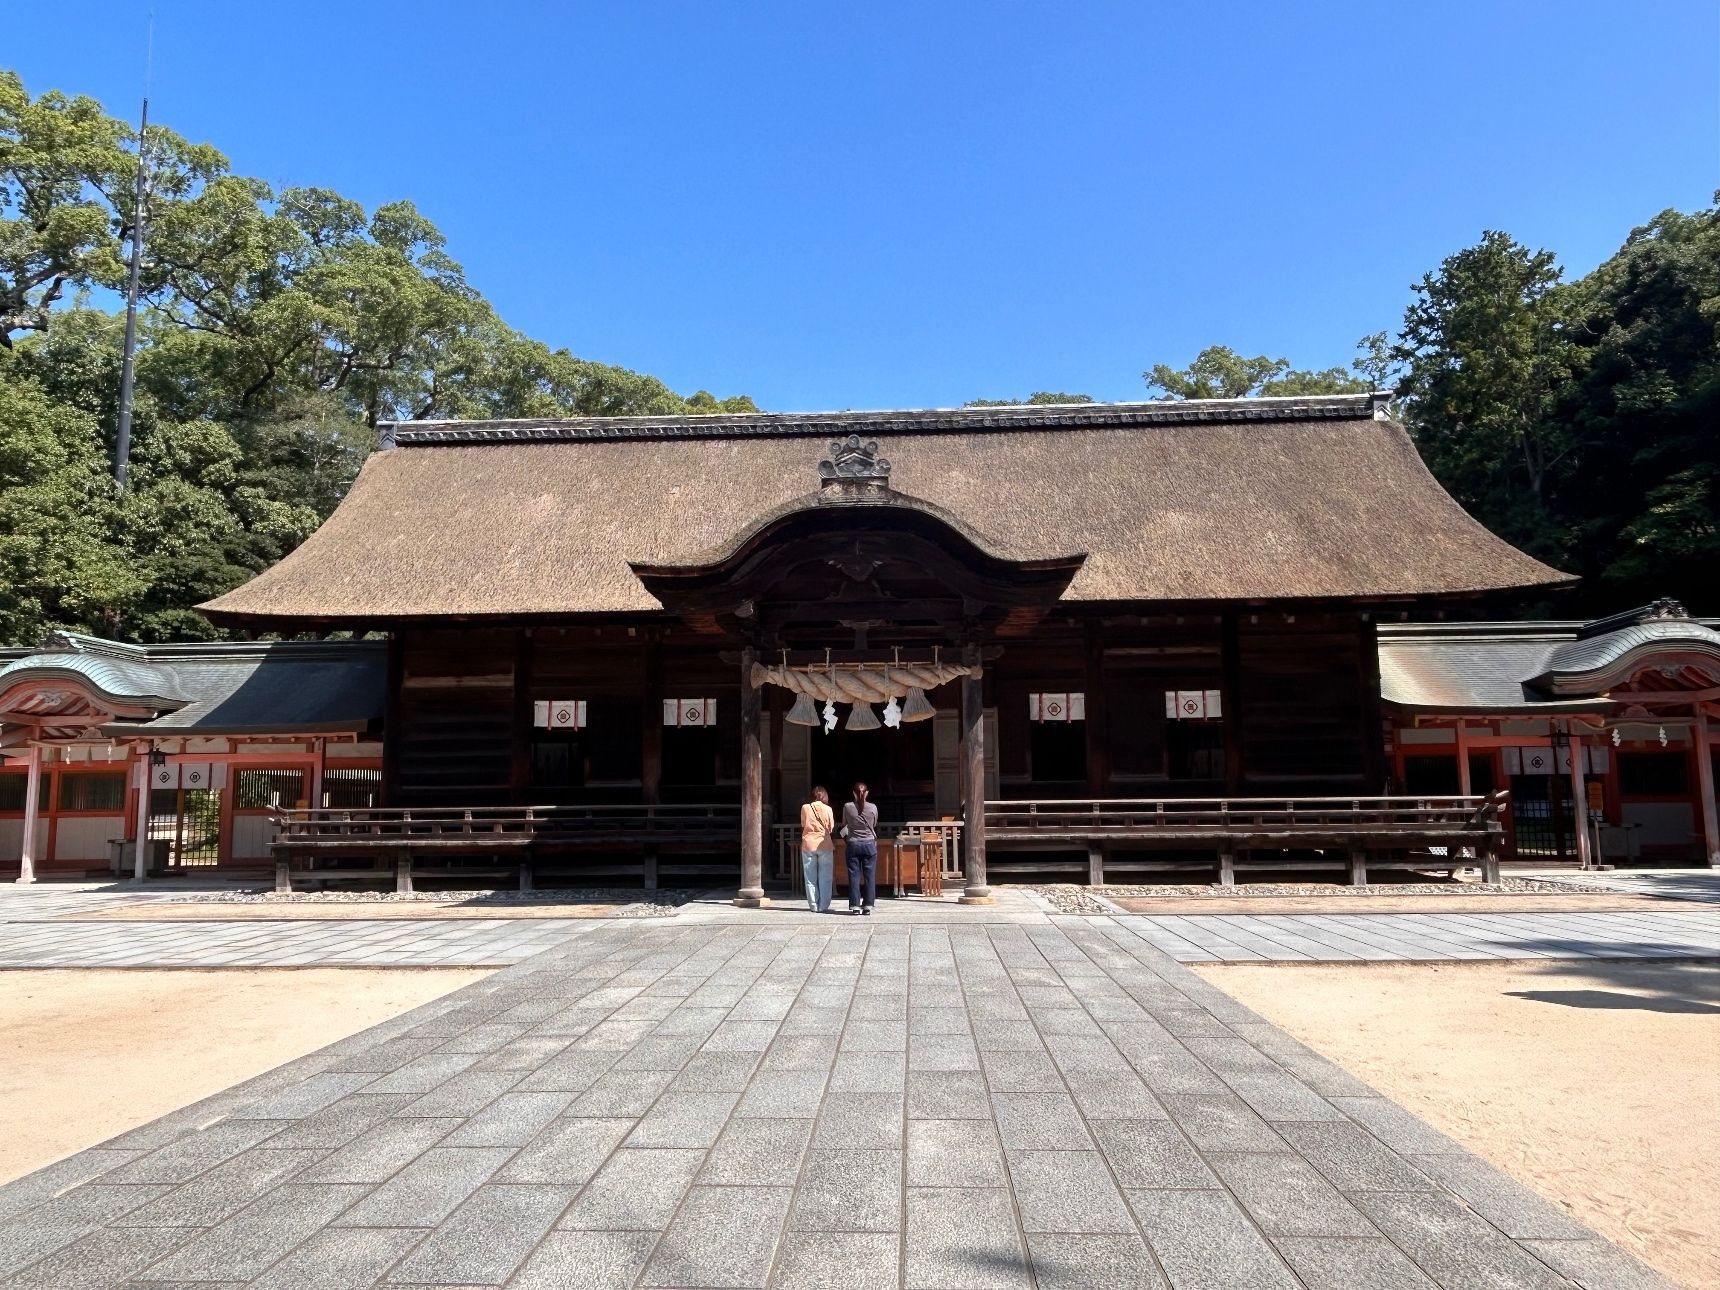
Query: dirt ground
{"points": [[88, 1054], [1597, 1084]]}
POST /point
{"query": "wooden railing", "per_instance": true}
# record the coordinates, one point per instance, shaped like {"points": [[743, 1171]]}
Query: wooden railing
{"points": [[484, 826], [1151, 820]]}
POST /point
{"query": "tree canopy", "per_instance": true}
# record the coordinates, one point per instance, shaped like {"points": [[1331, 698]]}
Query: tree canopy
{"points": [[1219, 372], [1039, 398], [277, 329]]}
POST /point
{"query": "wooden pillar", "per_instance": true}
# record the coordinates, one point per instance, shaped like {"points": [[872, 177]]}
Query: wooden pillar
{"points": [[651, 733], [1227, 868], [751, 894], [1098, 729], [779, 808], [1230, 699], [1490, 859], [1373, 722], [1358, 868], [317, 770], [283, 873], [32, 812], [1705, 788], [1579, 797], [1095, 864], [520, 736], [403, 873], [977, 891], [140, 853], [392, 720], [1465, 786]]}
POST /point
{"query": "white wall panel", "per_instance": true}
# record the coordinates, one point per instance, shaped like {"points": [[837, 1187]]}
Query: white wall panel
{"points": [[252, 835], [85, 837]]}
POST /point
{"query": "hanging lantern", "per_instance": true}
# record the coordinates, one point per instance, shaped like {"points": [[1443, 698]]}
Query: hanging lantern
{"points": [[803, 713], [918, 707], [862, 718]]}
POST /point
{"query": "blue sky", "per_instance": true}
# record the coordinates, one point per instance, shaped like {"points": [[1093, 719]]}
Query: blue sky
{"points": [[914, 204]]}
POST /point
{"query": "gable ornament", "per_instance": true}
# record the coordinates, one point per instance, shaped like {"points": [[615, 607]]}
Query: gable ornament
{"points": [[854, 460]]}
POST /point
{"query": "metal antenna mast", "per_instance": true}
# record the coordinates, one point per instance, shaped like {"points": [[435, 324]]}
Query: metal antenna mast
{"points": [[122, 444]]}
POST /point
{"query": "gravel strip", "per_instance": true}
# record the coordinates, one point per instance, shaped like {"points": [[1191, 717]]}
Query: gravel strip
{"points": [[1505, 887]]}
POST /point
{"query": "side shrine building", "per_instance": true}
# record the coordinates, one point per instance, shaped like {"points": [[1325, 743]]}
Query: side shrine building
{"points": [[1088, 638]]}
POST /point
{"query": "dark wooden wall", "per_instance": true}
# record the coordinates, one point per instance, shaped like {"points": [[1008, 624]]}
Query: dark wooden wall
{"points": [[451, 722], [1308, 702], [1300, 695]]}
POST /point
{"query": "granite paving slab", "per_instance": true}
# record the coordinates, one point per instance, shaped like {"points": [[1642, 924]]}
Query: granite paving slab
{"points": [[759, 1101], [1436, 937]]}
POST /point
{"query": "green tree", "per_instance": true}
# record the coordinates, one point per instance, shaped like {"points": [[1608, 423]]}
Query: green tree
{"points": [[59, 564], [1483, 347], [67, 181], [1219, 372], [1643, 503]]}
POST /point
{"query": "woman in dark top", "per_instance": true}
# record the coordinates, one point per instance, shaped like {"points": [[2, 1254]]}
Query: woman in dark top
{"points": [[860, 828]]}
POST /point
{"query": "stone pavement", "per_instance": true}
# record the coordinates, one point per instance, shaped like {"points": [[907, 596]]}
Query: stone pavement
{"points": [[1418, 938], [476, 942], [30, 902], [763, 1099], [1668, 884]]}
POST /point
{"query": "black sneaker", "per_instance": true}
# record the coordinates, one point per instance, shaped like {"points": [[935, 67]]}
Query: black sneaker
{"points": [[852, 910], [867, 911]]}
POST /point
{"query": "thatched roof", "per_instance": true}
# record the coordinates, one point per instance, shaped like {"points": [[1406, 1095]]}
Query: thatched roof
{"points": [[1249, 499]]}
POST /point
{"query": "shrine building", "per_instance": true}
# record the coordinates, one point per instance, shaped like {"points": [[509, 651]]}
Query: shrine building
{"points": [[1084, 640]]}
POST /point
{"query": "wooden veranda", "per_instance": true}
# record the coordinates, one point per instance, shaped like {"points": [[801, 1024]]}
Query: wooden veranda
{"points": [[1239, 834]]}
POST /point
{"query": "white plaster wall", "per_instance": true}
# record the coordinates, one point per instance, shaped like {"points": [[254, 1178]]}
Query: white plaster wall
{"points": [[85, 837], [252, 835]]}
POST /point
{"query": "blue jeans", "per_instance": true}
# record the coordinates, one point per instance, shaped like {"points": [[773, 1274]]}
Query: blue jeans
{"points": [[862, 863], [818, 866]]}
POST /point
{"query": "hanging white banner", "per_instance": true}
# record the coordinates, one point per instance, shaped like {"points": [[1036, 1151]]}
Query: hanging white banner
{"points": [[540, 714], [195, 774], [1552, 761], [567, 714], [1057, 707], [689, 712], [1193, 705], [164, 776]]}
